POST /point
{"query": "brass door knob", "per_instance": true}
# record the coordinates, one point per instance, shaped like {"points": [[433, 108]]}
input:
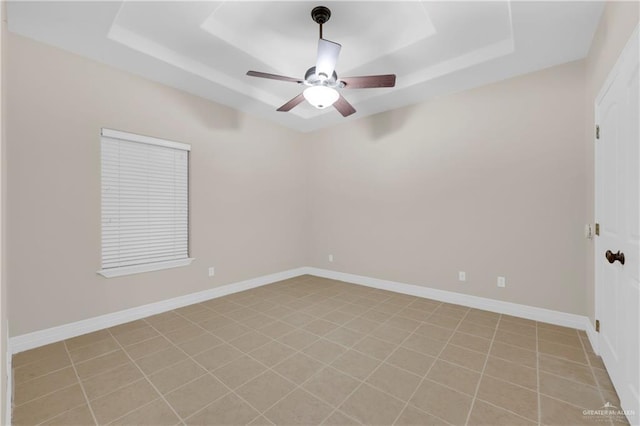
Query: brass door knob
{"points": [[612, 257]]}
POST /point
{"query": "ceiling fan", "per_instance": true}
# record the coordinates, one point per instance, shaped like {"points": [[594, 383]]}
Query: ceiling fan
{"points": [[322, 81]]}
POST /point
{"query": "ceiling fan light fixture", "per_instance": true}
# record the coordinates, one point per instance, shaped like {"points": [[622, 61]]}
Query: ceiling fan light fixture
{"points": [[321, 97]]}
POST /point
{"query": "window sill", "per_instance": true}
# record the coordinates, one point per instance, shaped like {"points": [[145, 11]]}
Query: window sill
{"points": [[137, 269]]}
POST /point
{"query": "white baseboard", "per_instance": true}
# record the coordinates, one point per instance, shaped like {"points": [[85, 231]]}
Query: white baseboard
{"points": [[55, 334], [524, 311]]}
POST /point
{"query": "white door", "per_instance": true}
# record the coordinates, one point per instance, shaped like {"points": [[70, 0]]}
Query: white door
{"points": [[618, 213]]}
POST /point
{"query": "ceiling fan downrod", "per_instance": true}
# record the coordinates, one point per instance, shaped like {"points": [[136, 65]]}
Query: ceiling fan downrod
{"points": [[320, 15]]}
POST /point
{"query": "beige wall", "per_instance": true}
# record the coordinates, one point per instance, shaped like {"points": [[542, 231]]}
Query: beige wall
{"points": [[616, 25], [248, 210], [488, 181]]}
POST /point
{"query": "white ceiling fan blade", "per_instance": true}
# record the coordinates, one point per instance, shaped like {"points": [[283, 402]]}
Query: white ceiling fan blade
{"points": [[328, 52]]}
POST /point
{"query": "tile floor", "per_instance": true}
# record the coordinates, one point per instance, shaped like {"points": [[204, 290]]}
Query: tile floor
{"points": [[316, 351]]}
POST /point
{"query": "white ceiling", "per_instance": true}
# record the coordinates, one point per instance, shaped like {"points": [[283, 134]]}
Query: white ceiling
{"points": [[206, 48]]}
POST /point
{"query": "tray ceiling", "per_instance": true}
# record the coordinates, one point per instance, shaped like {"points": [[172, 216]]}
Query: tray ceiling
{"points": [[205, 48]]}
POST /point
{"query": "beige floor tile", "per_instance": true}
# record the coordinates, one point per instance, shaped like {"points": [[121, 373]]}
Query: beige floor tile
{"points": [[230, 332], [276, 329], [239, 371], [338, 418], [371, 406], [344, 336], [49, 351], [324, 350], [256, 321], [93, 350], [414, 314], [41, 367], [469, 341], [136, 336], [375, 348], [320, 327], [176, 375], [162, 317], [120, 402], [555, 328], [240, 314], [49, 406], [517, 328], [331, 386], [298, 368], [338, 317], [355, 364], [260, 421], [469, 326], [447, 404], [424, 304], [514, 354], [195, 395], [376, 315], [77, 416], [250, 341], [569, 391], [147, 347], [200, 344], [510, 397], [464, 357], [483, 414], [518, 320], [390, 334], [126, 327], [156, 413], [456, 377], [111, 380], [554, 412], [272, 353], [412, 361], [521, 340], [570, 370], [32, 389], [217, 356], [394, 381], [265, 390], [86, 339], [595, 361], [299, 408], [362, 325], [297, 319], [603, 379], [188, 332], [562, 351], [298, 339], [403, 323], [216, 322], [101, 364], [159, 360], [560, 338], [229, 410], [425, 345], [435, 332], [512, 372], [443, 321], [411, 416], [172, 325]]}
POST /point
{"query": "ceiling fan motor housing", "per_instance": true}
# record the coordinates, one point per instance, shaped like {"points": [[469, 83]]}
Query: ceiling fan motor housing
{"points": [[320, 14]]}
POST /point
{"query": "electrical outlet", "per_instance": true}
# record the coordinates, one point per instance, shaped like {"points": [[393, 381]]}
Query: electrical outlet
{"points": [[212, 271], [330, 258], [462, 276], [502, 282]]}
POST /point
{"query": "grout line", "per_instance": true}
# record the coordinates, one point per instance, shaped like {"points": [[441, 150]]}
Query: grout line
{"points": [[144, 377], [538, 378], [84, 393], [484, 366]]}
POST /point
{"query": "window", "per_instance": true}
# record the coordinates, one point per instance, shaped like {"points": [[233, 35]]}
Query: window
{"points": [[145, 203]]}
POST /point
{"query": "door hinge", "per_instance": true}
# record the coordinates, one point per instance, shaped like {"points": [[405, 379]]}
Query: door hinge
{"points": [[597, 229], [598, 326], [597, 131]]}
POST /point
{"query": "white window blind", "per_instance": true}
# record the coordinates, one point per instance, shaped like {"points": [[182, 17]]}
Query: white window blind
{"points": [[145, 203]]}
